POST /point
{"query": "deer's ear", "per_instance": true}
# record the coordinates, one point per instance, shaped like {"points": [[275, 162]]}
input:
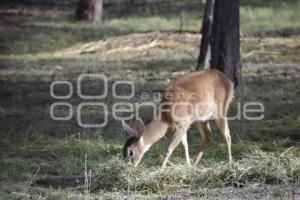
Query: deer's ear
{"points": [[139, 128], [130, 132]]}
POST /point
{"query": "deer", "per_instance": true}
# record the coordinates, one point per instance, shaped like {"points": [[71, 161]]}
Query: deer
{"points": [[195, 98]]}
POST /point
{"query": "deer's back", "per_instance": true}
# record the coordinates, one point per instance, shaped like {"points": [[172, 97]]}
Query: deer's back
{"points": [[207, 92]]}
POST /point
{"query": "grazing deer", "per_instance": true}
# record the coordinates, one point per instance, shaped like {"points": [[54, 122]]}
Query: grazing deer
{"points": [[194, 98]]}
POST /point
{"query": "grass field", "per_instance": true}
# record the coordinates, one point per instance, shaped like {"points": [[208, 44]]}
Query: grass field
{"points": [[151, 46]]}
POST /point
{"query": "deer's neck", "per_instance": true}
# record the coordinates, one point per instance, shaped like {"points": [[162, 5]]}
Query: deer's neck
{"points": [[153, 132]]}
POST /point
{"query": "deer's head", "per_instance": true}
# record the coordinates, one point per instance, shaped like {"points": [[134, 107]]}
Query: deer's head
{"points": [[134, 147]]}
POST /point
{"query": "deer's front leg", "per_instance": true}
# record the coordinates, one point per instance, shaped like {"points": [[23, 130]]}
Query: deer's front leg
{"points": [[177, 138], [186, 149]]}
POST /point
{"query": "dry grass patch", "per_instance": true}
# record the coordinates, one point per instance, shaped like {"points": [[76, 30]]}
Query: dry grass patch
{"points": [[255, 167]]}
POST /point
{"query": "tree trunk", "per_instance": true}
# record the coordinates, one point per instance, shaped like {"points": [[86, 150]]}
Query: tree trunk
{"points": [[205, 48], [91, 10], [225, 40]]}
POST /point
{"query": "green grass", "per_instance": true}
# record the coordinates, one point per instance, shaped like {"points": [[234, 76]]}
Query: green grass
{"points": [[53, 30], [272, 16], [263, 163]]}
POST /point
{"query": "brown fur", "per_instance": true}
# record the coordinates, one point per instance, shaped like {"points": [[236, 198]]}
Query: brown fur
{"points": [[208, 94], [208, 85]]}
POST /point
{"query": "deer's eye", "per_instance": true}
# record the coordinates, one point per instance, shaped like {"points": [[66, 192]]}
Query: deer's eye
{"points": [[131, 153]]}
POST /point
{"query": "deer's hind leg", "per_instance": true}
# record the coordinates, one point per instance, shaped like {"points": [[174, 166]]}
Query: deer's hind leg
{"points": [[223, 126], [206, 135]]}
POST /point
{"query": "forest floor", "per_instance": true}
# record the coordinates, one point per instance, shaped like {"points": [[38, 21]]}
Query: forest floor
{"points": [[45, 159]]}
